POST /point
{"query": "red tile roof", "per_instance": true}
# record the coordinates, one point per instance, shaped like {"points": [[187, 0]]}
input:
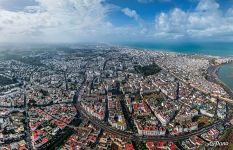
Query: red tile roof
{"points": [[129, 147]]}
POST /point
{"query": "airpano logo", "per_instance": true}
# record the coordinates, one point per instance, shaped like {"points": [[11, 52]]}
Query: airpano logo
{"points": [[217, 143]]}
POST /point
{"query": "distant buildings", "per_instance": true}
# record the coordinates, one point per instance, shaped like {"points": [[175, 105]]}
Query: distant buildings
{"points": [[173, 102]]}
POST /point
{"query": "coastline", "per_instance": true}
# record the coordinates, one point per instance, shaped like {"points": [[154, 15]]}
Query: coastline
{"points": [[190, 48], [213, 76]]}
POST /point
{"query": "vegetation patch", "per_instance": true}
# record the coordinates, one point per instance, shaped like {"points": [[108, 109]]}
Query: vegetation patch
{"points": [[27, 60], [6, 81], [148, 70]]}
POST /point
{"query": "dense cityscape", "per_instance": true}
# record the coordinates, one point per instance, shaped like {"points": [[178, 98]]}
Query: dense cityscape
{"points": [[109, 97]]}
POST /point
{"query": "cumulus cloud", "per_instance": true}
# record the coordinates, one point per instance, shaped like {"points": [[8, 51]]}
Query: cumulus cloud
{"points": [[50, 21], [134, 15], [131, 13], [207, 5], [206, 21], [16, 5], [46, 21], [230, 12]]}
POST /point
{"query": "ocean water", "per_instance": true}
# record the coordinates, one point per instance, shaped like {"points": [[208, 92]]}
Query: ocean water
{"points": [[215, 49], [222, 49], [226, 74]]}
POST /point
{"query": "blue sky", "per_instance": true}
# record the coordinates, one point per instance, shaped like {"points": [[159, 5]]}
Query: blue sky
{"points": [[50, 21], [148, 10]]}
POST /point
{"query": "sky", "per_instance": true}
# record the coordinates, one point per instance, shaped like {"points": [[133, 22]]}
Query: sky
{"points": [[71, 21]]}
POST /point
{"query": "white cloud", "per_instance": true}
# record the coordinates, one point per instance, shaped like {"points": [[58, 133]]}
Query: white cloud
{"points": [[65, 21], [230, 12], [206, 21], [16, 5], [131, 13], [87, 20], [207, 5], [60, 21]]}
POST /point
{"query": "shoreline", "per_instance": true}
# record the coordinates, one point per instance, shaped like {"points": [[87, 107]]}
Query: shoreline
{"points": [[178, 50], [213, 76]]}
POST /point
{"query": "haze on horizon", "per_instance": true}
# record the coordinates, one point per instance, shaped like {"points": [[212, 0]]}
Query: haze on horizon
{"points": [[71, 21]]}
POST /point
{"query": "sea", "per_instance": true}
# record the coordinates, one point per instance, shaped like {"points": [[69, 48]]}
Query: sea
{"points": [[223, 49]]}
